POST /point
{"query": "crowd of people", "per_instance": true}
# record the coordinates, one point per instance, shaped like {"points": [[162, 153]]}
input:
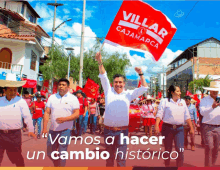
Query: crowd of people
{"points": [[71, 115]]}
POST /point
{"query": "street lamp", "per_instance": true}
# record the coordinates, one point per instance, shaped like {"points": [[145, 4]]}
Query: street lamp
{"points": [[69, 49], [62, 24]]}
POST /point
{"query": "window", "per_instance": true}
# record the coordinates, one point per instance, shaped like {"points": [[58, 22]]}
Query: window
{"points": [[33, 61], [30, 17], [4, 19], [22, 9]]}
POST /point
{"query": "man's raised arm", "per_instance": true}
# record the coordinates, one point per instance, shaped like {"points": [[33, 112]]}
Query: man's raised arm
{"points": [[98, 58], [103, 75]]}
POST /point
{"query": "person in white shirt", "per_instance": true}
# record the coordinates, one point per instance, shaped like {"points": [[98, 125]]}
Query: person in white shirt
{"points": [[13, 109], [174, 113], [63, 107], [117, 111], [210, 110]]}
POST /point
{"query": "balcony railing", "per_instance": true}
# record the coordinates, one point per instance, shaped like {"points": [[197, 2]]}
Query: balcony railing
{"points": [[12, 67]]}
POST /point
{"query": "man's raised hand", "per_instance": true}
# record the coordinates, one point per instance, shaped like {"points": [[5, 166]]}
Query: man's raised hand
{"points": [[138, 70], [98, 57]]}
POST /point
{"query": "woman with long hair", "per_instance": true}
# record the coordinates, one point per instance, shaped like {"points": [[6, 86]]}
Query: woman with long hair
{"points": [[174, 113]]}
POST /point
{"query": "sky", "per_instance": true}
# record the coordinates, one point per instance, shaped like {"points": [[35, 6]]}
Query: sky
{"points": [[195, 22]]}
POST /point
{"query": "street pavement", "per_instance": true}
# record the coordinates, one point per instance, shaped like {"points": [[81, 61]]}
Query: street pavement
{"points": [[191, 158]]}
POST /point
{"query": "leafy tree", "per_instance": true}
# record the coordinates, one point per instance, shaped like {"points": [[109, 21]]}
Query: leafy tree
{"points": [[57, 66], [200, 83], [113, 63]]}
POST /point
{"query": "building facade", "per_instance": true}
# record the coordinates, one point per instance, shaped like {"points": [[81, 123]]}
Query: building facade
{"points": [[195, 62], [20, 40], [162, 83]]}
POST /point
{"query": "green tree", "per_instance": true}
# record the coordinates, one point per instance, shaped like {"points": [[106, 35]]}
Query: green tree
{"points": [[57, 66], [113, 63], [200, 83]]}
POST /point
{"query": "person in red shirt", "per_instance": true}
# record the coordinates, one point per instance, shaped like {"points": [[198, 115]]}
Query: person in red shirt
{"points": [[38, 108], [82, 111]]}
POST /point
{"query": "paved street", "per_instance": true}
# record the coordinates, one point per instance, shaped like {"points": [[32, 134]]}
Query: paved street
{"points": [[192, 158]]}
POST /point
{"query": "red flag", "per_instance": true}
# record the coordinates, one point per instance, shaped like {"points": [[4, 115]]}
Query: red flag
{"points": [[111, 84], [30, 83], [35, 90], [138, 25], [55, 86], [188, 93], [91, 89], [159, 95], [139, 84], [79, 88]]}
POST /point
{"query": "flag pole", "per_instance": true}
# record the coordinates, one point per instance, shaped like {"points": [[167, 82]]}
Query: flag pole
{"points": [[101, 47]]}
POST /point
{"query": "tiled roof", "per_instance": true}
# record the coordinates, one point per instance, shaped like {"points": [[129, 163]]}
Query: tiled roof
{"points": [[15, 15], [18, 37], [6, 32]]}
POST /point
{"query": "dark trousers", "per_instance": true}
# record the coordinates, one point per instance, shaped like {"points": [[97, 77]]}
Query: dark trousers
{"points": [[112, 149], [11, 142], [176, 135]]}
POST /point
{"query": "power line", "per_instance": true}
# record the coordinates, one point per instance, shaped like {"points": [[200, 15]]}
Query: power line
{"points": [[189, 13]]}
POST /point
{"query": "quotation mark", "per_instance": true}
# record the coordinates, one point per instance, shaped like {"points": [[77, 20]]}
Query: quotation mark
{"points": [[181, 149]]}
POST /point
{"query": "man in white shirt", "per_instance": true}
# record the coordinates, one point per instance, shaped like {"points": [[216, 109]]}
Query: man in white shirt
{"points": [[210, 110], [13, 109], [63, 108], [117, 111]]}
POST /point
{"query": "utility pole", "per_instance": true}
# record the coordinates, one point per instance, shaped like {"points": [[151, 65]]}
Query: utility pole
{"points": [[82, 46], [53, 30], [69, 49]]}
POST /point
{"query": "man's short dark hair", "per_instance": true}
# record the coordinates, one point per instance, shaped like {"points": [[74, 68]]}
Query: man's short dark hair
{"points": [[26, 92], [64, 80], [119, 75], [187, 98]]}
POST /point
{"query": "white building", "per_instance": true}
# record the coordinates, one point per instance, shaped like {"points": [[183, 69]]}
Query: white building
{"points": [[195, 62], [162, 83], [20, 40]]}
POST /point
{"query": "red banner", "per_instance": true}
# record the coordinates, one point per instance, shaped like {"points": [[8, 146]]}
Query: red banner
{"points": [[55, 86], [30, 83], [138, 25], [91, 89]]}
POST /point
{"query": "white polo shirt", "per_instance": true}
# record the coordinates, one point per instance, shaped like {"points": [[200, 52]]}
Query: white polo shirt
{"points": [[11, 113], [62, 107], [175, 113], [117, 105], [210, 115]]}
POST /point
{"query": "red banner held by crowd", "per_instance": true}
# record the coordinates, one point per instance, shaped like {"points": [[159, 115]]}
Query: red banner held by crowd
{"points": [[138, 25], [91, 89]]}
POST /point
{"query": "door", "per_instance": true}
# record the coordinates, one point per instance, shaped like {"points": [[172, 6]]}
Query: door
{"points": [[5, 58]]}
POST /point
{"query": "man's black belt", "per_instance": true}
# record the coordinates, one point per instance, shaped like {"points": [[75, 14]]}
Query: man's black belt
{"points": [[9, 131], [212, 125], [173, 126]]}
